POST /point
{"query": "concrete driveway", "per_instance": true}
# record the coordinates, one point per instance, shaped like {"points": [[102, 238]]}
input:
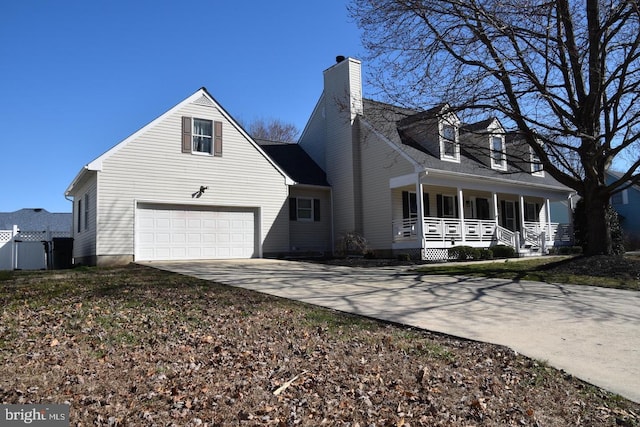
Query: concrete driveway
{"points": [[592, 333]]}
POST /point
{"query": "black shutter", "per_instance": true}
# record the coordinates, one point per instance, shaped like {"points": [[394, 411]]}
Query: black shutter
{"points": [[217, 139], [517, 220], [405, 204], [455, 209], [316, 210], [293, 209], [439, 205], [503, 209], [186, 134]]}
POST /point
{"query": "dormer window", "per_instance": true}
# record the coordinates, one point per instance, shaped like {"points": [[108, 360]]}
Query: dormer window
{"points": [[498, 156], [449, 147], [536, 164]]}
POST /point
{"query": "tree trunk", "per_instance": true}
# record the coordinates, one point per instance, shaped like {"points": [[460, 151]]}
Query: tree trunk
{"points": [[597, 233]]}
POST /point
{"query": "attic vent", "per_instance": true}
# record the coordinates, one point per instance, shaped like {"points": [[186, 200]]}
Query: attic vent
{"points": [[339, 59], [203, 100], [37, 210]]}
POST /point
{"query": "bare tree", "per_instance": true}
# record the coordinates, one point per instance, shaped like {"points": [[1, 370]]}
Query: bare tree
{"points": [[564, 74], [273, 130]]}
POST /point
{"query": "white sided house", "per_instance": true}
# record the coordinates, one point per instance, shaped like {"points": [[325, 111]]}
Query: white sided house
{"points": [[420, 182], [192, 184]]}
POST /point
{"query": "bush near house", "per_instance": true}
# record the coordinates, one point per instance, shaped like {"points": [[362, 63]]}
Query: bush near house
{"points": [[464, 253], [503, 251]]}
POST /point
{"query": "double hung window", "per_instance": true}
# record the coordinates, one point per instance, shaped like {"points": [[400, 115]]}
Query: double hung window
{"points": [[498, 158], [202, 136], [449, 144], [536, 165], [304, 209]]}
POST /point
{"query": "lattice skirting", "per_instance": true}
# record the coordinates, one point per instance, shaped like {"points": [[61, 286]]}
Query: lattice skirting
{"points": [[432, 254]]}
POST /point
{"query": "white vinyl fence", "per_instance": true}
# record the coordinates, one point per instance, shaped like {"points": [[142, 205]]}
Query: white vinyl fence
{"points": [[27, 250]]}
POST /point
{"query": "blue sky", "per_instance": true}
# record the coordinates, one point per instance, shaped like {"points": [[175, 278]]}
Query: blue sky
{"points": [[77, 77]]}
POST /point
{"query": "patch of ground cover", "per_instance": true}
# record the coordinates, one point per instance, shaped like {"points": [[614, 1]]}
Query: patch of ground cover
{"points": [[621, 272], [138, 346]]}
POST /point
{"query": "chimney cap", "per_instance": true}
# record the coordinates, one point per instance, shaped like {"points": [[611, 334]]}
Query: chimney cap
{"points": [[340, 58]]}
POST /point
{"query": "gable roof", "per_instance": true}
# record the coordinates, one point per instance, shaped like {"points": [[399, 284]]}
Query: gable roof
{"points": [[201, 96], [295, 162], [36, 219], [384, 118]]}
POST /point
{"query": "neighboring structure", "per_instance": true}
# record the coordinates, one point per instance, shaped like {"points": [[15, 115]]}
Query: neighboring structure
{"points": [[627, 204], [404, 181], [193, 184], [27, 237]]}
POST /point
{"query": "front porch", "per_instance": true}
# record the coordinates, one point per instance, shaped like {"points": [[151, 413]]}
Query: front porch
{"points": [[471, 217], [444, 233]]}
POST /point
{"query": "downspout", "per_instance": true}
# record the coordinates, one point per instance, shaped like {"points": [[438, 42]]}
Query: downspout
{"points": [[333, 239]]}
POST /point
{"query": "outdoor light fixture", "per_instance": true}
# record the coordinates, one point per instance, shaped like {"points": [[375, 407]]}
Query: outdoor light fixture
{"points": [[199, 193]]}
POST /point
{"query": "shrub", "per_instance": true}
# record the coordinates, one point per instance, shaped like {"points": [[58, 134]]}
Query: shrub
{"points": [[463, 253], [486, 253], [404, 257], [503, 251], [352, 243]]}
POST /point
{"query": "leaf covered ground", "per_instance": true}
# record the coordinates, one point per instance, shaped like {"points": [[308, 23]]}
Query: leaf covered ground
{"points": [[138, 346]]}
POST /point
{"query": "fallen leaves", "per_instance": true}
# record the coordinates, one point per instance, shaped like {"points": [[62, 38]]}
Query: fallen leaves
{"points": [[136, 346]]}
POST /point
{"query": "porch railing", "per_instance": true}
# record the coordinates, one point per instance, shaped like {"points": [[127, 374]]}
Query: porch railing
{"points": [[445, 229], [505, 236], [477, 230]]}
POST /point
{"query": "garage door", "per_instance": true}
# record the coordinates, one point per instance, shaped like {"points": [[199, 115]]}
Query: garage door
{"points": [[178, 232]]}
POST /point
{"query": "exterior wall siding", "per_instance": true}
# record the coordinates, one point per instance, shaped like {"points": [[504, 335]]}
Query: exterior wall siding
{"points": [[312, 236], [380, 163], [84, 241], [152, 168]]}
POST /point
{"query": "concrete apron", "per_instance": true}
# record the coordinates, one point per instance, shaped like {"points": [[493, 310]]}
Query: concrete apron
{"points": [[590, 332]]}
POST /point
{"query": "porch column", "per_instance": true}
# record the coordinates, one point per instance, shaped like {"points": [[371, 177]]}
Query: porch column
{"points": [[547, 210], [461, 214], [495, 208], [521, 213], [420, 207]]}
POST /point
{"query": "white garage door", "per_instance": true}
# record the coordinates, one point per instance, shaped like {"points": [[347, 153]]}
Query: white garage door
{"points": [[175, 233]]}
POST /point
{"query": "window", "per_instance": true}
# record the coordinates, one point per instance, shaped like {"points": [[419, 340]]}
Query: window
{"points": [[447, 206], [304, 209], [201, 136], [536, 165], [449, 144], [86, 211], [79, 215], [531, 211], [620, 198], [482, 209], [410, 204], [498, 160]]}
